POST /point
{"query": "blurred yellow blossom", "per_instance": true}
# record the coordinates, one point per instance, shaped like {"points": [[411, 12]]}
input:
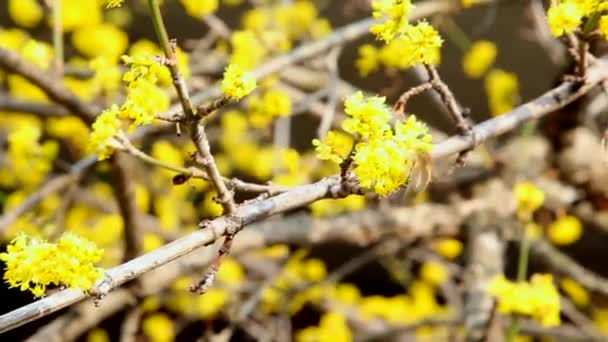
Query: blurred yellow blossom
{"points": [[231, 272], [479, 58], [151, 241], [603, 26], [332, 328], [577, 293], [368, 60], [263, 109], [565, 230], [26, 13], [98, 335], [89, 39], [198, 8], [502, 88], [158, 327], [434, 273], [528, 198], [538, 298], [448, 248], [211, 303]]}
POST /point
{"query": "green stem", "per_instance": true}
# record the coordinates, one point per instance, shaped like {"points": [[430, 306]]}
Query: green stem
{"points": [[522, 270], [590, 24], [456, 34], [57, 38], [165, 44]]}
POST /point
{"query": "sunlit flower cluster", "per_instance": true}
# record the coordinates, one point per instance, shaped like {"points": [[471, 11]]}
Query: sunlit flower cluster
{"points": [[416, 44], [537, 298], [566, 16], [384, 155], [33, 264], [237, 83]]}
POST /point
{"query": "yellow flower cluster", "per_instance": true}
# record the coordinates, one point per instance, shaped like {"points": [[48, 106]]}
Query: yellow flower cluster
{"points": [[237, 83], [105, 128], [33, 264], [538, 298], [383, 156], [502, 88], [565, 16], [416, 44], [479, 58], [144, 100], [448, 248], [395, 12], [332, 327]]}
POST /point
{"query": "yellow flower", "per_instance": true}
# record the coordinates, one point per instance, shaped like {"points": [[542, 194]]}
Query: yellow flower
{"points": [[538, 298], [26, 13], [237, 83], [211, 303], [78, 13], [479, 58], [566, 230], [247, 50], [528, 198], [434, 273], [105, 128], [332, 207], [564, 17], [33, 264], [39, 53], [158, 327], [100, 40], [273, 103], [578, 294], [151, 241], [503, 91], [395, 12], [230, 272], [98, 335], [332, 327], [469, 3], [448, 248], [335, 146], [423, 44], [368, 60], [603, 26], [198, 8]]}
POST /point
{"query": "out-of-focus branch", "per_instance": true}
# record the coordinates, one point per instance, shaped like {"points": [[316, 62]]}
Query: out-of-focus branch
{"points": [[124, 191], [45, 110], [565, 265], [12, 62], [485, 260]]}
